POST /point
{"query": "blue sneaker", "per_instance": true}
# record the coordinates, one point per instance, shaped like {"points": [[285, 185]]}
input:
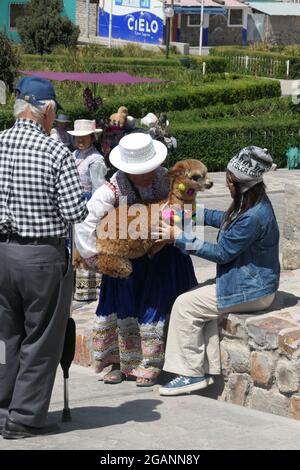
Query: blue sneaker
{"points": [[182, 384]]}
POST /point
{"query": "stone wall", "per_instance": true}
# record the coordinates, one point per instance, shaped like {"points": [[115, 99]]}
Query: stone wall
{"points": [[81, 17], [219, 33], [261, 360], [283, 29], [291, 228], [189, 34]]}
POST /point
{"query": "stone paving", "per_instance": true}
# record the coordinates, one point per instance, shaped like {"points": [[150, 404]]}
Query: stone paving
{"points": [[275, 181], [123, 417]]}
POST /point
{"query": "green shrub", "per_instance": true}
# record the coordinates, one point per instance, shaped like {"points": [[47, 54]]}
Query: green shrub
{"points": [[271, 106], [222, 51], [43, 27], [213, 64], [9, 61], [215, 142], [195, 97], [179, 98]]}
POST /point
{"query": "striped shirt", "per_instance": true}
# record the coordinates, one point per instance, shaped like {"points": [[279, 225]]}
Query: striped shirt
{"points": [[40, 190]]}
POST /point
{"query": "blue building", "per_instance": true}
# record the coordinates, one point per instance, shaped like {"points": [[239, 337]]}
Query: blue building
{"points": [[11, 10]]}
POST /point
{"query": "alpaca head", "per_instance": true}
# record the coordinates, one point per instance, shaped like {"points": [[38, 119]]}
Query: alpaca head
{"points": [[187, 178]]}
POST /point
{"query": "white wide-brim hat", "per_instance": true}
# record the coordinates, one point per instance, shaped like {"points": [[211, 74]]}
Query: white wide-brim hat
{"points": [[84, 127], [149, 120], [138, 154]]}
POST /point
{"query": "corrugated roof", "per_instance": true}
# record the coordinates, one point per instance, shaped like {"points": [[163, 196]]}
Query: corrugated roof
{"points": [[234, 4], [208, 3], [276, 8], [193, 3]]}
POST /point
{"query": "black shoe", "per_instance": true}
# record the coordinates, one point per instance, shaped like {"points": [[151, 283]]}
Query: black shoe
{"points": [[13, 430]]}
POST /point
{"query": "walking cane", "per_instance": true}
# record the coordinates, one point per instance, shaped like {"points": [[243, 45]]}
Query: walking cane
{"points": [[66, 361], [68, 349]]}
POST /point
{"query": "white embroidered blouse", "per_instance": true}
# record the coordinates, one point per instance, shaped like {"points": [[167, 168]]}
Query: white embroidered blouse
{"points": [[91, 167]]}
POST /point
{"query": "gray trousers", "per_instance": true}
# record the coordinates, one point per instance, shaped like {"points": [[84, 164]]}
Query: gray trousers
{"points": [[36, 283]]}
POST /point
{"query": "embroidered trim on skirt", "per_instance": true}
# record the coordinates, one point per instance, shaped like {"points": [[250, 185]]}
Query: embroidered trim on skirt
{"points": [[86, 285], [139, 349], [130, 326]]}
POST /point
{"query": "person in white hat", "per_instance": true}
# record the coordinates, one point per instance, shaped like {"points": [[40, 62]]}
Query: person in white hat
{"points": [[60, 132], [150, 120], [92, 171], [131, 314]]}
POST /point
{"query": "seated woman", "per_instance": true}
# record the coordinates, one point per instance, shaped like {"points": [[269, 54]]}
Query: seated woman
{"points": [[129, 331], [248, 269]]}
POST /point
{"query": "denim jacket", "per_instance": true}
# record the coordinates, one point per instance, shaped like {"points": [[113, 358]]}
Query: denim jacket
{"points": [[246, 253]]}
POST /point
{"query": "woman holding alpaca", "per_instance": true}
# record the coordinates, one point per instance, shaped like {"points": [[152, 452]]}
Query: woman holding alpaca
{"points": [[131, 315]]}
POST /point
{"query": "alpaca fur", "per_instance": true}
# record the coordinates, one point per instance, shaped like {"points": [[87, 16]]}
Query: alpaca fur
{"points": [[119, 119], [115, 254]]}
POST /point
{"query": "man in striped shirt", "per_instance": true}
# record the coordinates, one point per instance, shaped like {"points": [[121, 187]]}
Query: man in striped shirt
{"points": [[40, 196]]}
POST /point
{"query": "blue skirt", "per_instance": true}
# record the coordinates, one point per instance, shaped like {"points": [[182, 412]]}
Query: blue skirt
{"points": [[150, 291]]}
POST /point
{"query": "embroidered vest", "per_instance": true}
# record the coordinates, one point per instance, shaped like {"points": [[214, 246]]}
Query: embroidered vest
{"points": [[121, 186]]}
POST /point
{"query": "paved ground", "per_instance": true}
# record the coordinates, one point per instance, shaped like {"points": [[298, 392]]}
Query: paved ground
{"points": [[118, 417]]}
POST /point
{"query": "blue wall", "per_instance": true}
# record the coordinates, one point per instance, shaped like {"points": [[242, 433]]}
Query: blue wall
{"points": [[139, 26]]}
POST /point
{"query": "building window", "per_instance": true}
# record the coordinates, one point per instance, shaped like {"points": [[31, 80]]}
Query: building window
{"points": [[235, 18], [145, 4], [194, 20], [15, 11]]}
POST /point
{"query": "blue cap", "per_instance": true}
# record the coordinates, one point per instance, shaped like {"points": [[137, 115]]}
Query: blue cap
{"points": [[35, 89]]}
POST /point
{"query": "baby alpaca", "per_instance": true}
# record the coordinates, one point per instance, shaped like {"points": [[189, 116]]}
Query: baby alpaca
{"points": [[124, 234], [119, 119]]}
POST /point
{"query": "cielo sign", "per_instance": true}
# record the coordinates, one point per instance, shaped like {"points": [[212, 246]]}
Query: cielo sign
{"points": [[142, 25], [138, 25]]}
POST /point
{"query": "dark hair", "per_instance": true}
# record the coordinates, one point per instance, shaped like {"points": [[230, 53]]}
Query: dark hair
{"points": [[243, 201]]}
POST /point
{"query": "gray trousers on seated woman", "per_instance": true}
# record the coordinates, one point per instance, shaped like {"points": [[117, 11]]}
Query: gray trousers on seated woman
{"points": [[193, 346]]}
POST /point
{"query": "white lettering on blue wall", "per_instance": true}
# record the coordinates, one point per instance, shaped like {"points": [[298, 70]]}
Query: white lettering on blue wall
{"points": [[142, 26]]}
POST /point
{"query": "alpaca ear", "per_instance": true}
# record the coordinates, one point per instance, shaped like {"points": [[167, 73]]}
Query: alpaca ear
{"points": [[176, 170]]}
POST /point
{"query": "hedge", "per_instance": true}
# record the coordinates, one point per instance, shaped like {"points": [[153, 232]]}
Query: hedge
{"points": [[193, 97], [146, 61], [215, 142], [263, 66], [106, 64], [221, 51], [56, 58], [164, 73], [274, 106]]}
